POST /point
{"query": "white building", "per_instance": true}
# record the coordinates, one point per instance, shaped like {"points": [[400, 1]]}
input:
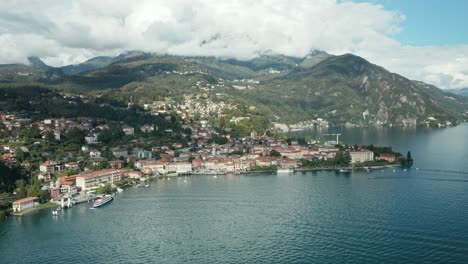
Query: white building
{"points": [[128, 130], [50, 166], [179, 167], [25, 203], [92, 139], [96, 179], [156, 167], [361, 155], [118, 152], [94, 153]]}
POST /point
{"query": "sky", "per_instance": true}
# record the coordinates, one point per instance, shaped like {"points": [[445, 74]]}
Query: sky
{"points": [[421, 40]]}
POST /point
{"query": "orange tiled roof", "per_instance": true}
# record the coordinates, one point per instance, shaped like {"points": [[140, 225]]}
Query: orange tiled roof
{"points": [[97, 173], [24, 200]]}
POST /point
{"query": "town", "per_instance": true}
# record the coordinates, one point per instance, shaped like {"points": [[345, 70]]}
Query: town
{"points": [[71, 160]]}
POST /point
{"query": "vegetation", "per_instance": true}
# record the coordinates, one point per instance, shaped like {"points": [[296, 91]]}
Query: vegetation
{"points": [[9, 177], [106, 189], [275, 153], [372, 163], [406, 162], [13, 180], [342, 159], [378, 150], [264, 168]]}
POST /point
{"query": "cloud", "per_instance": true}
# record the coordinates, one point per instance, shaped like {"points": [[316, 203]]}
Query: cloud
{"points": [[64, 32]]}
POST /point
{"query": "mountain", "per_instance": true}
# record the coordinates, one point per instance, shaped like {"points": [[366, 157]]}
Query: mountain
{"points": [[36, 62], [100, 62], [35, 70], [462, 91], [349, 89], [343, 89], [455, 104]]}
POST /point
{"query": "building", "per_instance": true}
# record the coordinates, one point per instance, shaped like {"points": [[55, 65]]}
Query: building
{"points": [[116, 164], [9, 159], [143, 154], [361, 155], [135, 174], [147, 128], [72, 165], [93, 180], [44, 176], [128, 130], [50, 166], [92, 139], [94, 153], [253, 134], [178, 167], [25, 203], [118, 152], [390, 157], [288, 163]]}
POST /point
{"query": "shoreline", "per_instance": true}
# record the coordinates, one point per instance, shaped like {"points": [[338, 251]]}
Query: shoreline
{"points": [[349, 168], [51, 204], [34, 209], [211, 173]]}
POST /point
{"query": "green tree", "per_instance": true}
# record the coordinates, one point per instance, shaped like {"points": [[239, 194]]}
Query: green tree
{"points": [[75, 135], [409, 159], [21, 186], [113, 134], [130, 165], [275, 153], [31, 134]]}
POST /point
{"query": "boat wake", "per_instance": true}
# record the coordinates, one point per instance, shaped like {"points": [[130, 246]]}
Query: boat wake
{"points": [[419, 178], [445, 171]]}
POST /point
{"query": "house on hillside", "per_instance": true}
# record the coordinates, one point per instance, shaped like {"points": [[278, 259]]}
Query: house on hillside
{"points": [[128, 130]]}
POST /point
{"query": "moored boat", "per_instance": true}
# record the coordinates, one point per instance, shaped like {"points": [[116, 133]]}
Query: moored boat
{"points": [[285, 170], [103, 200], [343, 170]]}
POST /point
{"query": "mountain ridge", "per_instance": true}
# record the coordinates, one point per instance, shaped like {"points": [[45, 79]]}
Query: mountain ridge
{"points": [[345, 89]]}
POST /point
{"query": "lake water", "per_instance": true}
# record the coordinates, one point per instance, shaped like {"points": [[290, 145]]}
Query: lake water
{"points": [[413, 216]]}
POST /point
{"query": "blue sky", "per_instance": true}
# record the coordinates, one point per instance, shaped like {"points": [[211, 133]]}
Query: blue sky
{"points": [[430, 22]]}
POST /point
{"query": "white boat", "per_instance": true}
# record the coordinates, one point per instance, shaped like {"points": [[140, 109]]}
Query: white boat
{"points": [[120, 190], [103, 200], [147, 185], [285, 171], [343, 170], [55, 212]]}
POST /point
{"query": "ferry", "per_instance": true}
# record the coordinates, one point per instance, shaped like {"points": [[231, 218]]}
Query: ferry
{"points": [[285, 171], [103, 200]]}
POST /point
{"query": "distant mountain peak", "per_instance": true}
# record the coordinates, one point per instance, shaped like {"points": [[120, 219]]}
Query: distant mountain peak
{"points": [[353, 58], [460, 91], [130, 54], [37, 62]]}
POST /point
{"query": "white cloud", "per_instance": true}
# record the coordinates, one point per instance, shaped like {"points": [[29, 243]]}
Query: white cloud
{"points": [[63, 32]]}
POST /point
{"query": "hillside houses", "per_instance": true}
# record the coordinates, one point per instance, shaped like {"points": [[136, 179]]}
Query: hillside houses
{"points": [[128, 130]]}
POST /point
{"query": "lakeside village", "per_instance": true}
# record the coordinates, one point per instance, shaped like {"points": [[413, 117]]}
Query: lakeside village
{"points": [[63, 161]]}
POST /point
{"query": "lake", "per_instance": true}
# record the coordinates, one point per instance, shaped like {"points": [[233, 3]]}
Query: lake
{"points": [[413, 216]]}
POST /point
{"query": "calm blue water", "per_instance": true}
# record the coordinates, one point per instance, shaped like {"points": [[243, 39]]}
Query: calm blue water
{"points": [[414, 216]]}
